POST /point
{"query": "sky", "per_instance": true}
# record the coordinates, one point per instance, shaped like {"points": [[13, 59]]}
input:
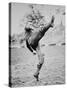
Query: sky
{"points": [[20, 10]]}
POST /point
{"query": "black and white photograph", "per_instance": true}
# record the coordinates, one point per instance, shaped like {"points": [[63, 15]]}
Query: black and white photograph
{"points": [[36, 44]]}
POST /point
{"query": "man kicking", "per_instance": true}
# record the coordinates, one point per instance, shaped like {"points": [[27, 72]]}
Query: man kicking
{"points": [[32, 43]]}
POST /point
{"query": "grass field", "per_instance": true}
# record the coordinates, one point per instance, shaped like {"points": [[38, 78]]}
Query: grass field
{"points": [[24, 65]]}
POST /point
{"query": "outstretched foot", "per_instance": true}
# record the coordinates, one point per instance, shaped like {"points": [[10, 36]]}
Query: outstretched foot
{"points": [[36, 76], [52, 21]]}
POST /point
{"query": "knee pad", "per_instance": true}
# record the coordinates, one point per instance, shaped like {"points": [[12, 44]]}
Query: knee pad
{"points": [[42, 60]]}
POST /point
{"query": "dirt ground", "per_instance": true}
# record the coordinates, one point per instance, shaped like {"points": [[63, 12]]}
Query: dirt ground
{"points": [[24, 65]]}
